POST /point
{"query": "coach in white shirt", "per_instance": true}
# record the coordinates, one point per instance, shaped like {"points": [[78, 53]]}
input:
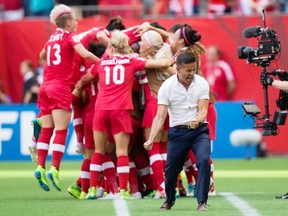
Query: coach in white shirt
{"points": [[185, 96]]}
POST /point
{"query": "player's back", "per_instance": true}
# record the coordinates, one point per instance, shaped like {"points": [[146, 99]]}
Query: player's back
{"points": [[60, 53], [116, 77]]}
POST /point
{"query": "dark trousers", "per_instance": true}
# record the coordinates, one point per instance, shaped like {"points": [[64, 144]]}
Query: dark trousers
{"points": [[180, 141]]}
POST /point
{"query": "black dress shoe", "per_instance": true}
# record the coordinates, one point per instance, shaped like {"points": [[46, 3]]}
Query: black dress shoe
{"points": [[202, 207], [167, 206]]}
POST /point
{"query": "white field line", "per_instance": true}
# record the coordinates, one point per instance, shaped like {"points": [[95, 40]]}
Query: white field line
{"points": [[218, 174], [240, 204], [121, 207]]}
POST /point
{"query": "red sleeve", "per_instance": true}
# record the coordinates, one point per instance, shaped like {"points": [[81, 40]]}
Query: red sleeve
{"points": [[95, 69], [133, 37], [74, 40], [139, 63], [136, 86]]}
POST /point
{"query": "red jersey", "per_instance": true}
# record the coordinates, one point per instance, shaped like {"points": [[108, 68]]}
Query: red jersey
{"points": [[269, 8], [116, 78], [92, 91], [84, 38], [60, 54], [218, 76], [91, 35], [216, 6], [133, 37]]}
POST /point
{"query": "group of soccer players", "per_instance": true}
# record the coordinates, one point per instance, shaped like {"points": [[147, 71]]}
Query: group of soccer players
{"points": [[110, 77]]}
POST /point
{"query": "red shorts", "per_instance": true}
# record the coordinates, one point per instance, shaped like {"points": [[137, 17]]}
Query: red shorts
{"points": [[149, 114], [53, 96], [114, 121], [88, 131], [136, 125]]}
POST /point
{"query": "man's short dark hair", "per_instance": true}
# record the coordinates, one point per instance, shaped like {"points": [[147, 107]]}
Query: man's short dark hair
{"points": [[186, 57]]}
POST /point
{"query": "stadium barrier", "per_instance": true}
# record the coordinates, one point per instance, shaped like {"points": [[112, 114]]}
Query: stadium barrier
{"points": [[16, 132]]}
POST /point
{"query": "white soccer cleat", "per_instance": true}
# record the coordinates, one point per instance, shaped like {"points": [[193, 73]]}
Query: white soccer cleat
{"points": [[80, 148], [111, 196], [100, 192], [137, 195], [160, 195], [33, 151], [212, 191]]}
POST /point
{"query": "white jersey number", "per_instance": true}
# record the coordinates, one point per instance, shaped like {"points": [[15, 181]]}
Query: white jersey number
{"points": [[118, 74], [57, 55], [93, 91]]}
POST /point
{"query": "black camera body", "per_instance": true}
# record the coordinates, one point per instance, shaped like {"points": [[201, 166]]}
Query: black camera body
{"points": [[268, 48]]}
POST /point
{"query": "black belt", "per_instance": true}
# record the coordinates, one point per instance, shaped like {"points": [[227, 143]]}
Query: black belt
{"points": [[189, 127]]}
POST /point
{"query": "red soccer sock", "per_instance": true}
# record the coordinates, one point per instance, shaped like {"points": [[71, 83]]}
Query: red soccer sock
{"points": [[43, 145], [143, 170], [85, 175], [193, 169], [77, 118], [58, 147], [123, 171], [212, 167], [133, 180], [189, 170], [157, 165], [189, 176], [163, 153], [95, 168], [78, 181], [109, 172]]}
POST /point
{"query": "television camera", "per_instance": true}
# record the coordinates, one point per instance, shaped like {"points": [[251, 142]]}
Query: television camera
{"points": [[269, 47]]}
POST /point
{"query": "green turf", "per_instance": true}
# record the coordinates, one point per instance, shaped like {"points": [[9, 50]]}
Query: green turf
{"points": [[255, 181]]}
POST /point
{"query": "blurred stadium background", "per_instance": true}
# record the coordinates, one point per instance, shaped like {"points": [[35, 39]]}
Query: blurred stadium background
{"points": [[24, 38]]}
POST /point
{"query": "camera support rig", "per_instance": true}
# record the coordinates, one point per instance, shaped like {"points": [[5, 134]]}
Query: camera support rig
{"points": [[268, 48], [269, 127]]}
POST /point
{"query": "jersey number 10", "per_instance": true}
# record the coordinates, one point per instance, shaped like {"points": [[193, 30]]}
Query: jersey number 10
{"points": [[118, 73]]}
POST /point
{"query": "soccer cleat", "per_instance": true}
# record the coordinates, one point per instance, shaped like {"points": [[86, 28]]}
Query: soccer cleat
{"points": [[137, 195], [74, 190], [202, 207], [160, 195], [182, 192], [82, 196], [100, 192], [80, 148], [195, 191], [91, 193], [53, 175], [33, 151], [145, 193], [285, 196], [177, 195], [190, 189], [167, 206], [212, 192], [124, 194], [40, 175], [111, 196], [36, 124], [151, 195]]}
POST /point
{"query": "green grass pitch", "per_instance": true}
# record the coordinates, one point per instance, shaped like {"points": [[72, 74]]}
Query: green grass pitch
{"points": [[254, 181]]}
